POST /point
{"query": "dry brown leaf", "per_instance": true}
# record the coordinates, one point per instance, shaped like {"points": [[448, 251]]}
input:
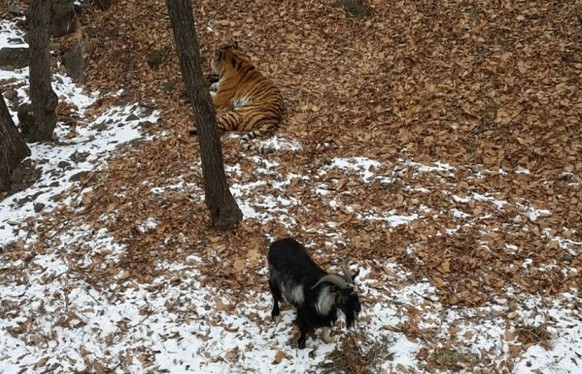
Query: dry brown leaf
{"points": [[220, 305], [279, 356]]}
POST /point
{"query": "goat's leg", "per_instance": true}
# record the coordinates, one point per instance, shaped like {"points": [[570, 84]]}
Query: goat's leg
{"points": [[276, 298], [304, 328]]}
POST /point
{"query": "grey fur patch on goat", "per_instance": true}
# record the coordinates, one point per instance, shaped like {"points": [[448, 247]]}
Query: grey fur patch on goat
{"points": [[294, 296], [325, 302]]}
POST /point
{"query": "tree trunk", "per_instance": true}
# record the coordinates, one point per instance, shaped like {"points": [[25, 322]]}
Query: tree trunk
{"points": [[12, 146], [223, 208], [38, 119]]}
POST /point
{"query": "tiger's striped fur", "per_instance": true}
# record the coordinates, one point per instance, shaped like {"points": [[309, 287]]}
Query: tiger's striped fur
{"points": [[254, 104]]}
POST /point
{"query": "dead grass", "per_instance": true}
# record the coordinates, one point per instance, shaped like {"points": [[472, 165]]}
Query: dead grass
{"points": [[354, 356], [529, 334], [449, 359]]}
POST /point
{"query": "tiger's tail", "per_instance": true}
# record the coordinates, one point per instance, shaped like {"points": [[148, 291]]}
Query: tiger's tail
{"points": [[246, 138], [237, 121]]}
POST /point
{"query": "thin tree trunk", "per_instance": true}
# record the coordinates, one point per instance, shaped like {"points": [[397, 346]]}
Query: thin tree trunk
{"points": [[38, 120], [223, 208], [13, 148]]}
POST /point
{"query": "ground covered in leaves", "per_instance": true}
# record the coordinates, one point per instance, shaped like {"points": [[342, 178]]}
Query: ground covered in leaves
{"points": [[436, 143]]}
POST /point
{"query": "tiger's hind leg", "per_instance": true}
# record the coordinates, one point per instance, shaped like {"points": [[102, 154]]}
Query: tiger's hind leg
{"points": [[241, 120], [228, 121]]}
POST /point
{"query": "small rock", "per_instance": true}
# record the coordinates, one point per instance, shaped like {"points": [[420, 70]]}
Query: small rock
{"points": [[15, 9], [146, 124], [132, 117], [354, 8], [11, 94], [79, 156], [38, 207], [156, 58], [79, 176], [90, 31], [101, 126], [64, 165], [102, 4], [73, 61], [567, 258], [13, 58], [63, 18], [135, 143], [169, 86], [18, 175]]}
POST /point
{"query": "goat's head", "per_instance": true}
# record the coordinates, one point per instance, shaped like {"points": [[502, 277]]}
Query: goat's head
{"points": [[345, 292]]}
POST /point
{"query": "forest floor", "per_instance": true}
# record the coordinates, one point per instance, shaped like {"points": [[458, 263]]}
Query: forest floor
{"points": [[438, 144]]}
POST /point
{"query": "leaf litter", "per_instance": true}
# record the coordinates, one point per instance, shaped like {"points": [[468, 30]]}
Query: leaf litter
{"points": [[436, 145]]}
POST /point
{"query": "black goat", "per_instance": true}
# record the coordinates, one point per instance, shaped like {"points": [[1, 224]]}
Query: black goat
{"points": [[315, 294]]}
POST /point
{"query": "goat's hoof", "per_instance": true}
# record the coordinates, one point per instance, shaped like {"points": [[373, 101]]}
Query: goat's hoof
{"points": [[326, 335]]}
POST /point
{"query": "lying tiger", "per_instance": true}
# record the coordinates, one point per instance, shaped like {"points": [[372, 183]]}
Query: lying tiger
{"points": [[254, 104]]}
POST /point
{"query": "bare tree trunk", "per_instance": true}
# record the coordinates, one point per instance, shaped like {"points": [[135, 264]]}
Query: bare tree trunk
{"points": [[38, 119], [223, 208], [13, 148]]}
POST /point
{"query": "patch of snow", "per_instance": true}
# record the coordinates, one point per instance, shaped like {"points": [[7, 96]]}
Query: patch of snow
{"points": [[391, 218], [499, 204], [279, 143], [148, 225], [363, 166], [533, 214], [438, 167], [459, 213], [11, 36], [459, 199]]}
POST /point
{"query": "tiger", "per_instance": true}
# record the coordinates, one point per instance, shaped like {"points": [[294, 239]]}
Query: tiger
{"points": [[253, 103]]}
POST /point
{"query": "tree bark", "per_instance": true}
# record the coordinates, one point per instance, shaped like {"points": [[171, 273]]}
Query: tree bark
{"points": [[38, 119], [13, 148], [223, 208]]}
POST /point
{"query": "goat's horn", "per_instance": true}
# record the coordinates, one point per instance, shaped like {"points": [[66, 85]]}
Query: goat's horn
{"points": [[346, 268], [347, 271], [334, 279]]}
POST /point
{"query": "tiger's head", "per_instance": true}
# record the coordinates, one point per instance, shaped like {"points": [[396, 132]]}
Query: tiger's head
{"points": [[229, 57]]}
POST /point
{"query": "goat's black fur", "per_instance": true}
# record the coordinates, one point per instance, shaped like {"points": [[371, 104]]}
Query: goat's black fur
{"points": [[293, 275]]}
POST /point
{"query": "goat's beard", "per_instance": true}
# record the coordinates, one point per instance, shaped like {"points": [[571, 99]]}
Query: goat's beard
{"points": [[351, 311]]}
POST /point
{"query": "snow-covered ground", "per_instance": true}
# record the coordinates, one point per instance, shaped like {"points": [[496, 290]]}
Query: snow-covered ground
{"points": [[55, 318]]}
